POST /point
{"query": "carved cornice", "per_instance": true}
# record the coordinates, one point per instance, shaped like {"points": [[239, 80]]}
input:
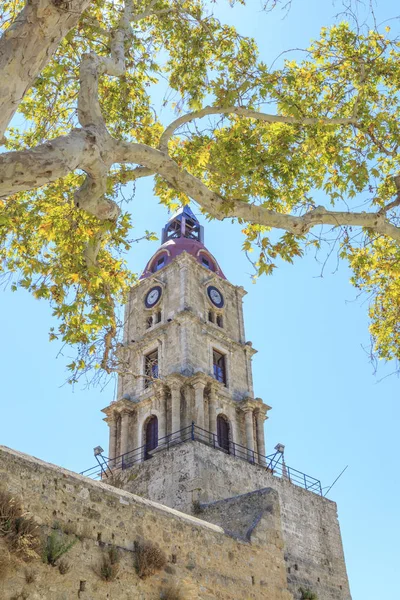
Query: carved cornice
{"points": [[255, 405], [115, 409], [175, 380], [200, 378]]}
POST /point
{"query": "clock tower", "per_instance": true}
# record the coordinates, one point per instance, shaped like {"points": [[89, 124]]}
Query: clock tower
{"points": [[188, 363]]}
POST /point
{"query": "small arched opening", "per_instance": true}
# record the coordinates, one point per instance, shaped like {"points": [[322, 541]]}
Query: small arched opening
{"points": [[150, 436], [223, 433], [159, 262]]}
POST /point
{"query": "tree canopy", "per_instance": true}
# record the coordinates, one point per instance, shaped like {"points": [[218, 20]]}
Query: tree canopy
{"points": [[85, 88]]}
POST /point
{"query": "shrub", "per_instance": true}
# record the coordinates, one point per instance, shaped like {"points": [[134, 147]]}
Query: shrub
{"points": [[179, 590], [20, 595], [19, 530], [307, 594], [109, 567], [197, 508], [85, 532], [149, 559], [56, 545], [10, 509], [69, 528], [64, 566], [30, 576]]}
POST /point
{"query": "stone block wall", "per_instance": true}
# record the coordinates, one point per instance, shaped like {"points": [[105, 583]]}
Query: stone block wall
{"points": [[216, 565], [193, 472], [185, 338]]}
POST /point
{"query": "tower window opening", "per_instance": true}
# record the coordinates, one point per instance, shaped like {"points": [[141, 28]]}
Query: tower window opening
{"points": [[158, 317], [151, 436], [159, 264], [220, 321], [219, 366], [223, 433], [211, 316], [149, 322], [174, 230], [192, 229], [150, 368], [206, 262]]}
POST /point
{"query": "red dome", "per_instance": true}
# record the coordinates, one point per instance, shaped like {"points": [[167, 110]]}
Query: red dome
{"points": [[175, 246]]}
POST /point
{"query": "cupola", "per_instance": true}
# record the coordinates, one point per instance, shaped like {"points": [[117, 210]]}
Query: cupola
{"points": [[182, 233]]}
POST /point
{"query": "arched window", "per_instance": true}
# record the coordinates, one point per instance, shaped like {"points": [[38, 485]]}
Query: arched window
{"points": [[207, 262], [158, 264], [151, 435], [223, 433], [219, 366]]}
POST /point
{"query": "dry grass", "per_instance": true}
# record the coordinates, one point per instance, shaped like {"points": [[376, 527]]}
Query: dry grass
{"points": [[64, 566], [5, 563], [307, 594], [70, 528], [109, 567], [24, 595], [86, 532], [17, 528], [30, 576], [149, 559], [179, 590]]}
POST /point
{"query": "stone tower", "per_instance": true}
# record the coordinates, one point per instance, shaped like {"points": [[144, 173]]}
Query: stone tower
{"points": [[186, 350], [186, 430]]}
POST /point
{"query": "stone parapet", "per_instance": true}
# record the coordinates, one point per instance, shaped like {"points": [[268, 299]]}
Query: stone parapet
{"points": [[215, 564], [194, 474]]}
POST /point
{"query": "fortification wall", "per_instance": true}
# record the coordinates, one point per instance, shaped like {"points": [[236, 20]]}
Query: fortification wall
{"points": [[193, 472], [201, 558]]}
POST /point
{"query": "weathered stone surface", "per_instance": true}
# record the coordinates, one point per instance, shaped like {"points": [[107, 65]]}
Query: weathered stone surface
{"points": [[217, 565], [194, 472]]}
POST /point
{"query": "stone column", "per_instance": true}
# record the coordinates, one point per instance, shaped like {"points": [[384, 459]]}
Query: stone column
{"points": [[112, 444], [175, 407], [260, 418], [212, 409], [135, 439], [162, 421], [248, 415], [124, 431], [139, 456], [199, 386]]}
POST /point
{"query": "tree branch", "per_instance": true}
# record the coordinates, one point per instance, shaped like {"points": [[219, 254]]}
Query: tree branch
{"points": [[222, 208], [28, 45], [395, 202], [249, 114]]}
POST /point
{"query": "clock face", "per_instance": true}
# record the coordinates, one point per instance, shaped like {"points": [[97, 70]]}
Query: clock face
{"points": [[153, 296], [215, 296]]}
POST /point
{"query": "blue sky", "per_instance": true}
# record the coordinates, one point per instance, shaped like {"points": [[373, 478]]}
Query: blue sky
{"points": [[329, 409]]}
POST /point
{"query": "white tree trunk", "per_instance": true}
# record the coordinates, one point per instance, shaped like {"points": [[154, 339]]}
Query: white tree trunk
{"points": [[28, 45]]}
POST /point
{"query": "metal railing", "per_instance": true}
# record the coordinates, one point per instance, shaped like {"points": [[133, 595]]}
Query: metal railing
{"points": [[273, 463]]}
